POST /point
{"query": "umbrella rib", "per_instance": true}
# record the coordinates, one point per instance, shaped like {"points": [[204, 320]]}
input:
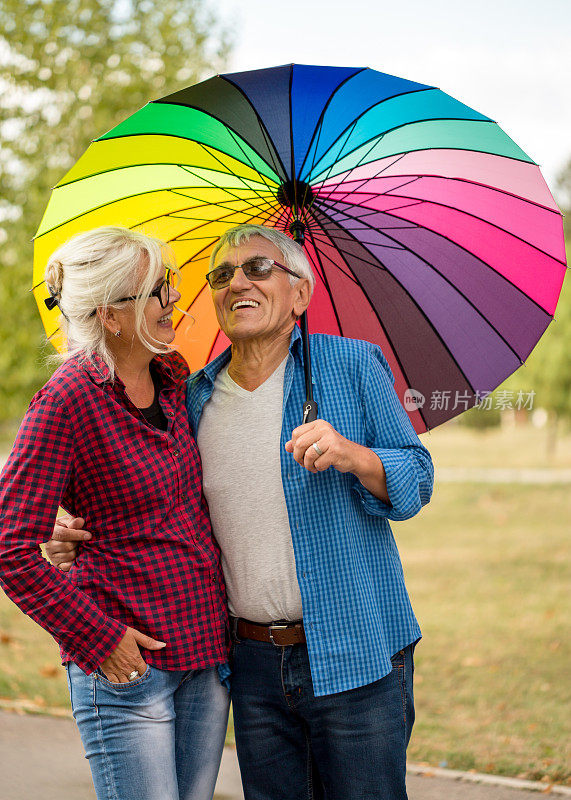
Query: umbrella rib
{"points": [[318, 129], [378, 137], [323, 238], [325, 281], [193, 300], [209, 149], [405, 223], [189, 305], [251, 162], [319, 124], [292, 154], [365, 180], [262, 128], [247, 203], [261, 175], [359, 163], [229, 128], [375, 263], [191, 172], [330, 168], [285, 212], [458, 149], [181, 237], [358, 117], [444, 345], [358, 189], [383, 327], [460, 211], [213, 345], [461, 293], [451, 178], [515, 286], [204, 249], [129, 197]]}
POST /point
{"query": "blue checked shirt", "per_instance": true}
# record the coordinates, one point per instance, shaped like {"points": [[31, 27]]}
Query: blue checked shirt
{"points": [[356, 610]]}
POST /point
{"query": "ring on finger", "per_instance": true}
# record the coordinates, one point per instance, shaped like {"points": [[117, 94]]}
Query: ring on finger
{"points": [[134, 675], [317, 449]]}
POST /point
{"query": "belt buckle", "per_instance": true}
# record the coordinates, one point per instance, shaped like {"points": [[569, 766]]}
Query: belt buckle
{"points": [[277, 627]]}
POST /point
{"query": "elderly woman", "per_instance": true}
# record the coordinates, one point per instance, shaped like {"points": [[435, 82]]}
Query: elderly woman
{"points": [[141, 618]]}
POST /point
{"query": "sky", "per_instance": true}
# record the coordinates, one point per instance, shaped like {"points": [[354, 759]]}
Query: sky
{"points": [[508, 59]]}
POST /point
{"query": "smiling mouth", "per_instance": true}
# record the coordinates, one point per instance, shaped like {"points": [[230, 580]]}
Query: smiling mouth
{"points": [[166, 318], [244, 304]]}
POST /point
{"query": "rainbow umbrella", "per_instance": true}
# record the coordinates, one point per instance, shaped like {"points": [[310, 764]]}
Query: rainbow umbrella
{"points": [[430, 231]]}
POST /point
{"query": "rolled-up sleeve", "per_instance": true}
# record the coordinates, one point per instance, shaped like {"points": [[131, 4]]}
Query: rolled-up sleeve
{"points": [[407, 463], [31, 487]]}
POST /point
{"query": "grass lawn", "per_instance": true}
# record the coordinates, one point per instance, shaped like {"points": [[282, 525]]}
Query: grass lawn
{"points": [[487, 571], [453, 445]]}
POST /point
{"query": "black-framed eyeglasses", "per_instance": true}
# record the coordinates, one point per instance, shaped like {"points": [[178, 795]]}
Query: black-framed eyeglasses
{"points": [[257, 268], [161, 292]]}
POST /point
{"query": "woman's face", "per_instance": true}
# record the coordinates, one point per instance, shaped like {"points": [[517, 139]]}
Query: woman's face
{"points": [[157, 318]]}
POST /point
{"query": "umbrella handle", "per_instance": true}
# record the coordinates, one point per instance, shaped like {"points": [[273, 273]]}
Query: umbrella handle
{"points": [[297, 230], [310, 406], [309, 411]]}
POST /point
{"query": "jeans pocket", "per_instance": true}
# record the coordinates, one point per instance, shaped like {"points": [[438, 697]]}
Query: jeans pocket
{"points": [[69, 683], [397, 660], [122, 687]]}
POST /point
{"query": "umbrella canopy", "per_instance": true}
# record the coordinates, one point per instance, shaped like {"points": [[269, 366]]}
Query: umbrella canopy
{"points": [[430, 231]]}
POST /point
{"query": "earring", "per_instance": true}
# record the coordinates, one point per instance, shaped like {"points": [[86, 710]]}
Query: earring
{"points": [[117, 333]]}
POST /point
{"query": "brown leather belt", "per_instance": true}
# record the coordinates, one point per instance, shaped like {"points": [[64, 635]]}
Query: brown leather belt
{"points": [[280, 634]]}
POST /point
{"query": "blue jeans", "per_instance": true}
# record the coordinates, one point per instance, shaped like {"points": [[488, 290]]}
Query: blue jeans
{"points": [[292, 745], [157, 738]]}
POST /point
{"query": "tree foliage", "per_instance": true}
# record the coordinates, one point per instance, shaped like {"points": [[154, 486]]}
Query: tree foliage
{"points": [[69, 71], [547, 371]]}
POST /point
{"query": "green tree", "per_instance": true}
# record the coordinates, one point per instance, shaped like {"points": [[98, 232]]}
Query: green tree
{"points": [[564, 197], [69, 71], [547, 371]]}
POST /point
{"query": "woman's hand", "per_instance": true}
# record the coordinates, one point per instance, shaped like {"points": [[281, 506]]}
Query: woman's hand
{"points": [[126, 657]]}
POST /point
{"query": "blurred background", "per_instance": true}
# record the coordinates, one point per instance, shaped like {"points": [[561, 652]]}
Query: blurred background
{"points": [[486, 561]]}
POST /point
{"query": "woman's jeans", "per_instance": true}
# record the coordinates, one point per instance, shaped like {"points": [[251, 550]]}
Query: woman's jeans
{"points": [[159, 737], [294, 746]]}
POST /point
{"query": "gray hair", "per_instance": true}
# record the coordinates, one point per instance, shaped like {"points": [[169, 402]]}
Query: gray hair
{"points": [[93, 270], [293, 254]]}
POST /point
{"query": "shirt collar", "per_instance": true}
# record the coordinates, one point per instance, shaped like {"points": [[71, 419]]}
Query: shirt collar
{"points": [[99, 372], [211, 370]]}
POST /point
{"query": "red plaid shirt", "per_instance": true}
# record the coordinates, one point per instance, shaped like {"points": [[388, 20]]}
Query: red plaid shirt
{"points": [[152, 563]]}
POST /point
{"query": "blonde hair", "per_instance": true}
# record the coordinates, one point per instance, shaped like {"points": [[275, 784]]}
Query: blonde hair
{"points": [[94, 270], [293, 254]]}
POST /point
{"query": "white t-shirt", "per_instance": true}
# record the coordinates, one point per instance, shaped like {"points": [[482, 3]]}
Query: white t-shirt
{"points": [[239, 442]]}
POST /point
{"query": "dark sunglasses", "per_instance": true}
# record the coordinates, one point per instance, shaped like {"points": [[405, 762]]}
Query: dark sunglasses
{"points": [[161, 292], [255, 269]]}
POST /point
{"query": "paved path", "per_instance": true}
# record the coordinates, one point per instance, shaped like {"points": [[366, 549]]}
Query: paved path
{"points": [[28, 744]]}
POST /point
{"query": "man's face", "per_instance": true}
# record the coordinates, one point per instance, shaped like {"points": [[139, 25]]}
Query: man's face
{"points": [[275, 302]]}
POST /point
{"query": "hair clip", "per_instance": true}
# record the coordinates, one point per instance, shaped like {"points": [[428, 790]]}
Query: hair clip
{"points": [[51, 302]]}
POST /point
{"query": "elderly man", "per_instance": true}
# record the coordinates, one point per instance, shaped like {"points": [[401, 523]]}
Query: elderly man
{"points": [[322, 627]]}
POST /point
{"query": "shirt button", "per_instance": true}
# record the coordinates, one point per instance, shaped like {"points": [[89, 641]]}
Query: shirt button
{"points": [[175, 453]]}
